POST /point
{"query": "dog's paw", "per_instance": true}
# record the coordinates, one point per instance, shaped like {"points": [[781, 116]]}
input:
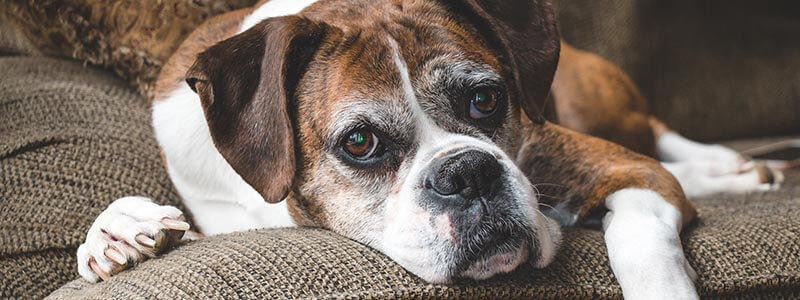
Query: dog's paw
{"points": [[771, 177], [717, 153], [672, 147], [703, 178], [129, 231]]}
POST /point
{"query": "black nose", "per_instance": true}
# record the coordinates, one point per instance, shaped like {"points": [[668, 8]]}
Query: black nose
{"points": [[468, 175]]}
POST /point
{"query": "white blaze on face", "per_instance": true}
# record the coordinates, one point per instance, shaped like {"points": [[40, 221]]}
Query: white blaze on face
{"points": [[431, 138], [427, 131], [409, 237], [422, 246]]}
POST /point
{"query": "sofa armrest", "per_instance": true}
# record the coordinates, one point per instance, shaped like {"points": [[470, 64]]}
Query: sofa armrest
{"points": [[316, 263]]}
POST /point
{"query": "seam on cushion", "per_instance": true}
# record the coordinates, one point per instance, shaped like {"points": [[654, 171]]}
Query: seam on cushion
{"points": [[8, 256], [51, 138], [14, 151]]}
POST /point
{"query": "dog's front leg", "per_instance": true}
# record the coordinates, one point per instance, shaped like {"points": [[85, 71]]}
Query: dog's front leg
{"points": [[644, 248], [129, 231], [582, 176]]}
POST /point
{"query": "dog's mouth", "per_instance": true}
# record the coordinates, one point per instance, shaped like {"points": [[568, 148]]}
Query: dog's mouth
{"points": [[504, 260], [497, 246]]}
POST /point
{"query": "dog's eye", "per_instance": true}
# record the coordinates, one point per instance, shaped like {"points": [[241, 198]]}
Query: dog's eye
{"points": [[361, 143], [483, 103]]}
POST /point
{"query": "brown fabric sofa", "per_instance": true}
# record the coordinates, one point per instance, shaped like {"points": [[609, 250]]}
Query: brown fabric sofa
{"points": [[74, 138], [713, 69]]}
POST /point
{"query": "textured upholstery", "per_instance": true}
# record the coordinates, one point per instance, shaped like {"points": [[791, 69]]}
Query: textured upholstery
{"points": [[73, 139]]}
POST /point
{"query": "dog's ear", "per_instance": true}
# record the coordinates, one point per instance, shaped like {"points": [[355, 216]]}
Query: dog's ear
{"points": [[524, 34], [247, 87]]}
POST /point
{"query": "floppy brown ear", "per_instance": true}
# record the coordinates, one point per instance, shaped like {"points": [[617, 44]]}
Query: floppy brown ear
{"points": [[523, 33], [247, 87]]}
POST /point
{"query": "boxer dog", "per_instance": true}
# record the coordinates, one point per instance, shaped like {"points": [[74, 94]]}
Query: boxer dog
{"points": [[422, 129]]}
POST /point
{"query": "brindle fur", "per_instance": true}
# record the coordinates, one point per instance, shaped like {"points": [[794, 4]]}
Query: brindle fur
{"points": [[578, 172], [591, 96], [594, 96]]}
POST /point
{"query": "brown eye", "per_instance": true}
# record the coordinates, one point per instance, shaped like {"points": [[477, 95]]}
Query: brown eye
{"points": [[483, 103], [361, 143]]}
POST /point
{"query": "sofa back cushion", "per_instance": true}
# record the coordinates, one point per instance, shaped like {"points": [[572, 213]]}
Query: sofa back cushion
{"points": [[718, 69], [72, 139]]}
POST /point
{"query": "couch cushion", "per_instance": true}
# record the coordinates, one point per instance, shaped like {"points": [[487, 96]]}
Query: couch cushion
{"points": [[743, 245], [72, 139]]}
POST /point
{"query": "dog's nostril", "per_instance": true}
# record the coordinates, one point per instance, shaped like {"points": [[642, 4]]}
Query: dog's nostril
{"points": [[447, 183], [469, 192], [470, 174], [428, 185]]}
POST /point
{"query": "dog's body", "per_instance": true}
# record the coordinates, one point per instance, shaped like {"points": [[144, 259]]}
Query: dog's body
{"points": [[282, 109]]}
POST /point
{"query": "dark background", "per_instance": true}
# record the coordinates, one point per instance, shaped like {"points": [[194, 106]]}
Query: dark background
{"points": [[712, 69]]}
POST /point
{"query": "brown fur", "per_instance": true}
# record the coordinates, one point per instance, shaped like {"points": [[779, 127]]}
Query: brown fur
{"points": [[595, 97], [212, 31], [246, 84], [568, 166], [351, 57], [360, 64]]}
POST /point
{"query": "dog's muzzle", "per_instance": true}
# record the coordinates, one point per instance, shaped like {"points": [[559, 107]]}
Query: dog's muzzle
{"points": [[468, 195]]}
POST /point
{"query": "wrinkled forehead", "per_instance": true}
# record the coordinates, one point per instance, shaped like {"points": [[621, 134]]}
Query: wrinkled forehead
{"points": [[424, 35], [390, 77], [359, 76]]}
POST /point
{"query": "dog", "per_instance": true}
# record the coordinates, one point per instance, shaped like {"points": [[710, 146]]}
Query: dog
{"points": [[432, 131]]}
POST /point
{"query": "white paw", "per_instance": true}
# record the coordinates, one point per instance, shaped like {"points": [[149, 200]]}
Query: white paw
{"points": [[717, 153], [703, 178], [672, 147], [130, 230]]}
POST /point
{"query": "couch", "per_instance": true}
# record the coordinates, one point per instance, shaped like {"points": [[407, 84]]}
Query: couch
{"points": [[73, 138]]}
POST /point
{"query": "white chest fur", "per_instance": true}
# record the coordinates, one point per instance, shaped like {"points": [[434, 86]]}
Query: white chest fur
{"points": [[218, 198]]}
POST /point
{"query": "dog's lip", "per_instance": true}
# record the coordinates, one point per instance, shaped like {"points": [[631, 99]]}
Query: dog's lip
{"points": [[475, 249], [503, 262], [475, 255]]}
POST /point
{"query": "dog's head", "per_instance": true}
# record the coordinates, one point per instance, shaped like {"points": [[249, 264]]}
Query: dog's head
{"points": [[395, 123]]}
